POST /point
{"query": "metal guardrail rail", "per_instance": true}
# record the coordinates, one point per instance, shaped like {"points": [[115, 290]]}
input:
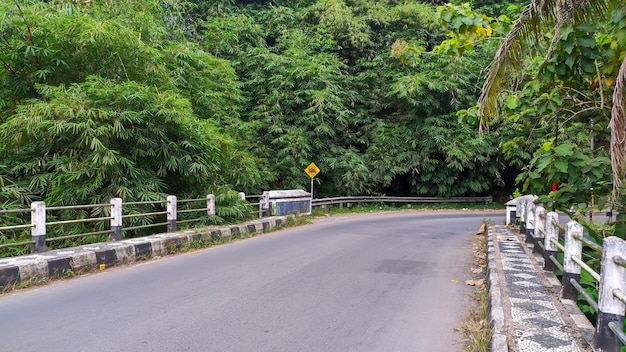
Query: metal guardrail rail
{"points": [[163, 213], [392, 199]]}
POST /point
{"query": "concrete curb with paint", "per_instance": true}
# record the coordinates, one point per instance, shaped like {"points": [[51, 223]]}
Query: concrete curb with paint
{"points": [[58, 264]]}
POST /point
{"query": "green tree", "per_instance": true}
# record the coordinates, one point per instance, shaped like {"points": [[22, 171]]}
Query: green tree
{"points": [[321, 85], [301, 111], [100, 139], [572, 48], [62, 43], [117, 85]]}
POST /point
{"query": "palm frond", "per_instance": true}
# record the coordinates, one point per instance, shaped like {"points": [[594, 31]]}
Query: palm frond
{"points": [[523, 39], [589, 10], [618, 131]]}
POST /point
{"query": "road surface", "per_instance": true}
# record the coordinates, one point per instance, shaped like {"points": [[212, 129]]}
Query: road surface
{"points": [[387, 282]]}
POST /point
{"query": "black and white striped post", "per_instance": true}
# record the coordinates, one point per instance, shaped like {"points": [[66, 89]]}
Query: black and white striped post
{"points": [[522, 217], [540, 228], [611, 309], [552, 233], [265, 204], [571, 269], [38, 230], [116, 219], [530, 222], [172, 213]]}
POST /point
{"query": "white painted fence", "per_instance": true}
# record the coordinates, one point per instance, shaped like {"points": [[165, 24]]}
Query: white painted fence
{"points": [[542, 230]]}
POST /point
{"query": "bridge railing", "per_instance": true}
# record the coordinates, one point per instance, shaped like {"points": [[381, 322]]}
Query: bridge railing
{"points": [[347, 201], [543, 230], [259, 203], [115, 218], [4, 212]]}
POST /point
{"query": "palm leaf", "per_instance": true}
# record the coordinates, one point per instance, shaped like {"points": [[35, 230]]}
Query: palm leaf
{"points": [[525, 39]]}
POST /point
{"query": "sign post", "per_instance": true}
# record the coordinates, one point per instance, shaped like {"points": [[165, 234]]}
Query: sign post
{"points": [[312, 170]]}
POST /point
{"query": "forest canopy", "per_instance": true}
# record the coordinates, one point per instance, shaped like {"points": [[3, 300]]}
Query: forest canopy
{"points": [[140, 99]]}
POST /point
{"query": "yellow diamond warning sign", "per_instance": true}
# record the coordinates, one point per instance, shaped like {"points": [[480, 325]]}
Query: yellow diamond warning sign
{"points": [[312, 170]]}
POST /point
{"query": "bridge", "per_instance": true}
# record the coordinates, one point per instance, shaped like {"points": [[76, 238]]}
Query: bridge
{"points": [[526, 312]]}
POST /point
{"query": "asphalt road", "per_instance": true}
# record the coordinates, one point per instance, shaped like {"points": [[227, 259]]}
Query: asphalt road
{"points": [[376, 282]]}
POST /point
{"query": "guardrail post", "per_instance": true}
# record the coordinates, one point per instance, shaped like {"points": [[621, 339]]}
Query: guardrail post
{"points": [[571, 269], [242, 196], [116, 219], [210, 204], [522, 217], [540, 228], [530, 223], [38, 231], [611, 309], [171, 213], [265, 204], [552, 232]]}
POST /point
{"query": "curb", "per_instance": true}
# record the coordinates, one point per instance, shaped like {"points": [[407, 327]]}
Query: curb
{"points": [[61, 263], [496, 311]]}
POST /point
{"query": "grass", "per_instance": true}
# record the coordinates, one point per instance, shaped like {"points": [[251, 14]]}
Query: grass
{"points": [[475, 326], [293, 221]]}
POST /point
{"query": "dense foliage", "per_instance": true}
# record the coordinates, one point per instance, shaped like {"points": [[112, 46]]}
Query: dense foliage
{"points": [[327, 81], [558, 72], [143, 99]]}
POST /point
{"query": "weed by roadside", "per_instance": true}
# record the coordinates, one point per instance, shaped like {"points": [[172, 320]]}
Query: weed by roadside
{"points": [[475, 326]]}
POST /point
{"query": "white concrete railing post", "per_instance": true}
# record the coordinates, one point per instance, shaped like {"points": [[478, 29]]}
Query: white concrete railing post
{"points": [[242, 195], [210, 204], [552, 233], [172, 209], [38, 231], [610, 309], [571, 269], [540, 227], [522, 217], [264, 204], [530, 222], [116, 219], [540, 221]]}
